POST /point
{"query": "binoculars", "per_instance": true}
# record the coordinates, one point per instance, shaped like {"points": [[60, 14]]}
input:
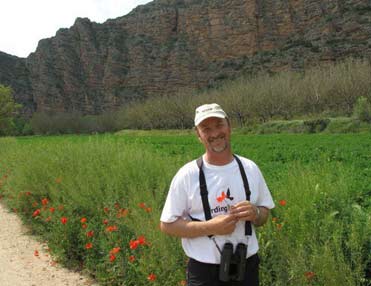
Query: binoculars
{"points": [[233, 265]]}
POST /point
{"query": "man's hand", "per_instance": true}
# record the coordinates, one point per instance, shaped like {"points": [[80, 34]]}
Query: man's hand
{"points": [[245, 211], [222, 224]]}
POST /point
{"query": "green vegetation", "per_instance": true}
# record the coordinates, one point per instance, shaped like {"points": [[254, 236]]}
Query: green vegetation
{"points": [[318, 94], [97, 200], [7, 109]]}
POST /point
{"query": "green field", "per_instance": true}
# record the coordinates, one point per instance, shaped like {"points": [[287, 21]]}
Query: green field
{"points": [[97, 201]]}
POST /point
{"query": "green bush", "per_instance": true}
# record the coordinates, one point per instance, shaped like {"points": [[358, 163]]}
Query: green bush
{"points": [[362, 110]]}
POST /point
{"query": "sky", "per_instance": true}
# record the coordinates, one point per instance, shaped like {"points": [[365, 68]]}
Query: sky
{"points": [[24, 22]]}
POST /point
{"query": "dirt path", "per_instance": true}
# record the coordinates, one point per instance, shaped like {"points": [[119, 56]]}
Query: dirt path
{"points": [[20, 265]]}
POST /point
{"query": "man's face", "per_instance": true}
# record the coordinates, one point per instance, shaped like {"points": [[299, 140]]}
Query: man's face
{"points": [[214, 133]]}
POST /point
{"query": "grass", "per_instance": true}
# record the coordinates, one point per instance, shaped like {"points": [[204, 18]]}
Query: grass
{"points": [[319, 233]]}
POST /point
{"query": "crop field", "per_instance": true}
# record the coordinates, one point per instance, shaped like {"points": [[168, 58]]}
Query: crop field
{"points": [[97, 201]]}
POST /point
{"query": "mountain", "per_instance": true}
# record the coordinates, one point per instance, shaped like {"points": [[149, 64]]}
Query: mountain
{"points": [[168, 45]]}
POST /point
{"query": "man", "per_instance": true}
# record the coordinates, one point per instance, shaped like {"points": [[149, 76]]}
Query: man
{"points": [[237, 200]]}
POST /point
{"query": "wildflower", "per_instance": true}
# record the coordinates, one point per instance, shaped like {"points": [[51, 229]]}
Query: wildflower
{"points": [[90, 233], [111, 228], [58, 180], [64, 220], [142, 205], [279, 226], [28, 193], [49, 218], [36, 213], [44, 201], [309, 275], [83, 220], [133, 244], [115, 250], [151, 277], [84, 225], [112, 258], [131, 258], [282, 202], [36, 252], [148, 210], [106, 210], [52, 210], [35, 204], [141, 240], [221, 198], [122, 213], [89, 245], [117, 205], [105, 221]]}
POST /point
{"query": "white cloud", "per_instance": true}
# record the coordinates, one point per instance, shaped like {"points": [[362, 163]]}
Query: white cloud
{"points": [[24, 22]]}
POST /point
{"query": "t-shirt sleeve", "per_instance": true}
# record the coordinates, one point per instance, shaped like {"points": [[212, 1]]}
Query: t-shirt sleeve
{"points": [[176, 201], [264, 196]]}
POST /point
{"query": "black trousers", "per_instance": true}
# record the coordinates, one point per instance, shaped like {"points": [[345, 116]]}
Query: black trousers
{"points": [[204, 274]]}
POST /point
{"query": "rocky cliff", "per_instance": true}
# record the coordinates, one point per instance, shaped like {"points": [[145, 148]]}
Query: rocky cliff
{"points": [[169, 45]]}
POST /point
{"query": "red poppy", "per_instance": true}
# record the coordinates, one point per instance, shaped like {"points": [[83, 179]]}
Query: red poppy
{"points": [[148, 210], [309, 275], [51, 209], [83, 220], [89, 245], [105, 221], [90, 233], [222, 197], [36, 253], [282, 202], [122, 213], [115, 250], [36, 213], [106, 210], [35, 204], [142, 205], [84, 225], [151, 277], [132, 258], [64, 220], [133, 244], [141, 240], [44, 201], [117, 205], [111, 228], [112, 258]]}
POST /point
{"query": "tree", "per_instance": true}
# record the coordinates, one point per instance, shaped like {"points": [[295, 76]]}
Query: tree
{"points": [[8, 109]]}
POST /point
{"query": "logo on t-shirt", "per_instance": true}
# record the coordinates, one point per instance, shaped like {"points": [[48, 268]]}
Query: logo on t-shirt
{"points": [[223, 205]]}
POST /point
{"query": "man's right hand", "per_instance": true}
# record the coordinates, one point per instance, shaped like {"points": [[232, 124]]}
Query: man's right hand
{"points": [[223, 224], [219, 225]]}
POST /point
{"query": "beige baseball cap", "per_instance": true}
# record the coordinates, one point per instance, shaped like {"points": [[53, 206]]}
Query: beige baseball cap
{"points": [[208, 110]]}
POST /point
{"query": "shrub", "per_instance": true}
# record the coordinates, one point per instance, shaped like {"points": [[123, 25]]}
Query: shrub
{"points": [[362, 110]]}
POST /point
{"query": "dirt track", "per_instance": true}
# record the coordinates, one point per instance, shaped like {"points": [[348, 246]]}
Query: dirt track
{"points": [[21, 266]]}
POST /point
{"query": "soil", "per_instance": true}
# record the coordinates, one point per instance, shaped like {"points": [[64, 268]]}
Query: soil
{"points": [[26, 262]]}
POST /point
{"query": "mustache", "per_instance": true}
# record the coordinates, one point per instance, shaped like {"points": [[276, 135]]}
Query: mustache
{"points": [[211, 139]]}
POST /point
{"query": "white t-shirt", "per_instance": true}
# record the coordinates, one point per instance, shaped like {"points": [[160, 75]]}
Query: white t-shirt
{"points": [[184, 200]]}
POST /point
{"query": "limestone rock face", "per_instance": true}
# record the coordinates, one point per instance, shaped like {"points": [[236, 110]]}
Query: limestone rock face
{"points": [[168, 45]]}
